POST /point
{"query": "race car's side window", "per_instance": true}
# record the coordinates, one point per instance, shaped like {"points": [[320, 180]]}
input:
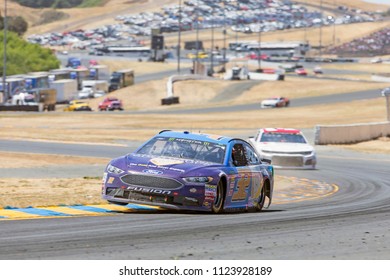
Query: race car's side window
{"points": [[238, 155], [251, 155]]}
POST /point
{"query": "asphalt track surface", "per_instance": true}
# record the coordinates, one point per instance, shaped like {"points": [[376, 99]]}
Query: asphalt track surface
{"points": [[353, 223]]}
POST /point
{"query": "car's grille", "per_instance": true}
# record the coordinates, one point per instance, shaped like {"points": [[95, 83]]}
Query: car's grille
{"points": [[287, 161], [150, 181]]}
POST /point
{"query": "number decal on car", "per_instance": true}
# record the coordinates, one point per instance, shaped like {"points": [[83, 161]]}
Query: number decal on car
{"points": [[242, 185]]}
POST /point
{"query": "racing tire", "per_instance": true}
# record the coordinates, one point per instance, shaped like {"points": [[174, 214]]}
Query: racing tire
{"points": [[219, 200], [261, 200]]}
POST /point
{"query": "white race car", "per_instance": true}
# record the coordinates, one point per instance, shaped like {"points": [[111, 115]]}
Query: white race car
{"points": [[275, 102], [285, 147]]}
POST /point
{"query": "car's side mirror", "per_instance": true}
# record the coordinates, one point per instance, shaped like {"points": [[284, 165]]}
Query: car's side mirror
{"points": [[266, 160]]}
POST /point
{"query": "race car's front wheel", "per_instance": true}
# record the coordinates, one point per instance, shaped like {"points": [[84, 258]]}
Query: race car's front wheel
{"points": [[219, 199]]}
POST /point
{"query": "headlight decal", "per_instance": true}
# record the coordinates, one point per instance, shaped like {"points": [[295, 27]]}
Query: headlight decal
{"points": [[200, 180], [113, 169]]}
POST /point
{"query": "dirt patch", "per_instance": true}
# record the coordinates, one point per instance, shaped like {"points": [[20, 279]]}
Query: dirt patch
{"points": [[49, 192], [30, 160], [364, 67], [380, 145]]}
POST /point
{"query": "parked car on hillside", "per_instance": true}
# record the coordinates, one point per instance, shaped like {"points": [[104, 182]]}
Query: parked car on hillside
{"points": [[110, 104], [78, 105], [201, 55], [317, 70], [301, 71]]}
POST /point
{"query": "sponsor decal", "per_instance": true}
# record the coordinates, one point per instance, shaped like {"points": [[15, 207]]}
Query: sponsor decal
{"points": [[151, 171], [210, 187], [177, 170], [191, 199], [206, 203], [165, 161], [190, 141], [209, 193], [193, 190], [110, 180], [104, 177], [147, 190]]}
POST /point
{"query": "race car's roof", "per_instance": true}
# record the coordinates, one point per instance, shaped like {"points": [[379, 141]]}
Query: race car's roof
{"points": [[281, 130], [197, 136]]}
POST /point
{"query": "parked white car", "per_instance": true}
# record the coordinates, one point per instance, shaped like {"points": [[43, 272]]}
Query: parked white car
{"points": [[285, 147]]}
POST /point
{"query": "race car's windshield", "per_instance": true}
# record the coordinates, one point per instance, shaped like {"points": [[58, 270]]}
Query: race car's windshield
{"points": [[282, 137], [184, 148]]}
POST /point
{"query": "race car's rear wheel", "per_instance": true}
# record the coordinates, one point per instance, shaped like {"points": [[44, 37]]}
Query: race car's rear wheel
{"points": [[219, 199], [261, 200]]}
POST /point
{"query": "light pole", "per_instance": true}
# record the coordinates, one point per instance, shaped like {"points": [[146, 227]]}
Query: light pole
{"points": [[259, 48], [212, 44], [321, 29], [5, 92], [386, 93], [224, 36], [179, 40], [334, 26], [237, 18], [197, 36]]}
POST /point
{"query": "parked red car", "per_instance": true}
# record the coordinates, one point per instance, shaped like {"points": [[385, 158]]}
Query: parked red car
{"points": [[111, 104], [301, 71]]}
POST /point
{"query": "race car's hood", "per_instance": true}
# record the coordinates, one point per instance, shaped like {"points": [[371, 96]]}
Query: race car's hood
{"points": [[284, 147], [163, 165]]}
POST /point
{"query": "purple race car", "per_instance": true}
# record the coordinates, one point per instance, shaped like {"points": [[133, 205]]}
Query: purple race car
{"points": [[190, 171]]}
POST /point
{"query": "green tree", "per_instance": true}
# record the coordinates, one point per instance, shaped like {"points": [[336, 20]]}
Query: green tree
{"points": [[16, 24], [24, 57]]}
